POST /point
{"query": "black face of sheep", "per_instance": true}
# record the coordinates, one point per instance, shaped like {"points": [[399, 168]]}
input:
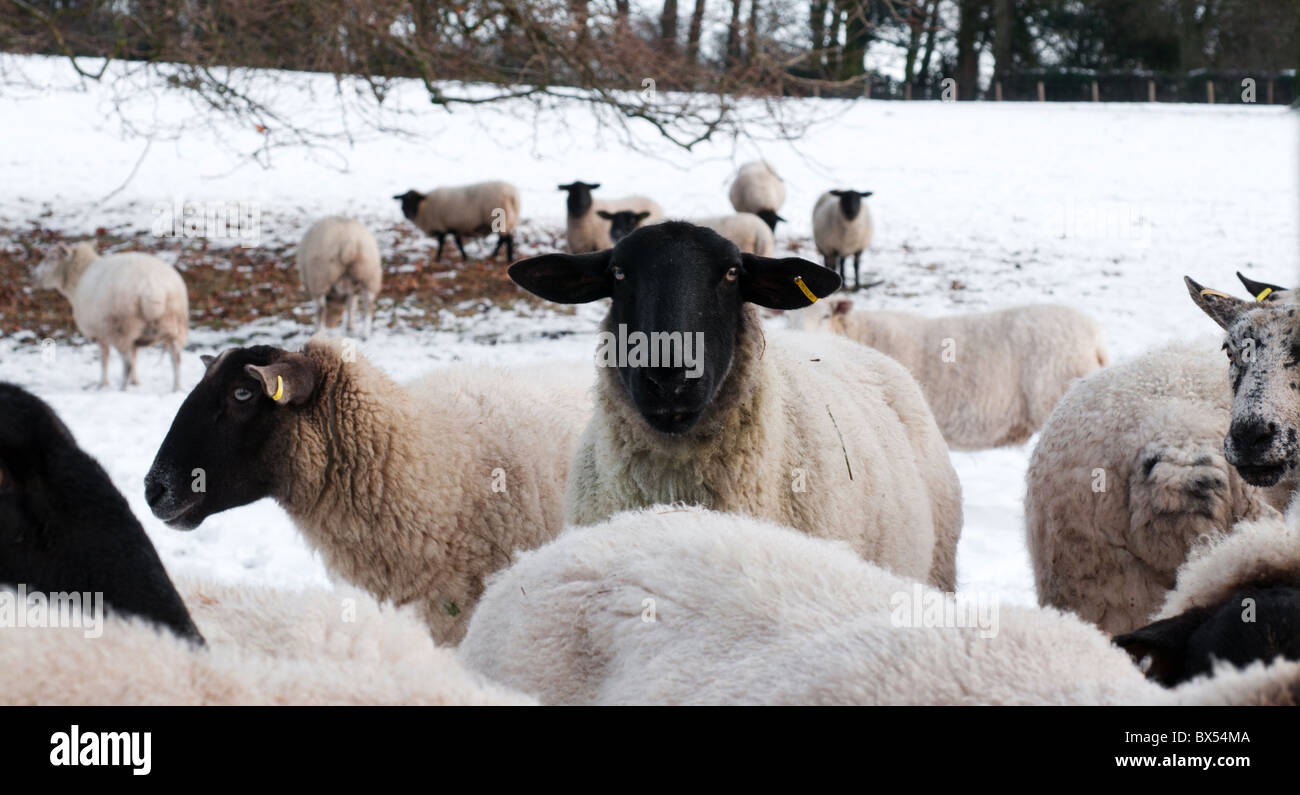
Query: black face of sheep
{"points": [[681, 286], [851, 201], [1255, 623], [410, 203], [622, 222], [770, 218], [579, 197], [1263, 347], [220, 451], [64, 527]]}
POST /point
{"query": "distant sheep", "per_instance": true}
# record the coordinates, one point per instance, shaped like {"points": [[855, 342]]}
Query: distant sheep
{"points": [[990, 378], [413, 493], [750, 234], [759, 190], [1128, 472], [842, 229], [586, 228], [462, 211], [1237, 600], [338, 260], [817, 433], [66, 527], [677, 606], [125, 301]]}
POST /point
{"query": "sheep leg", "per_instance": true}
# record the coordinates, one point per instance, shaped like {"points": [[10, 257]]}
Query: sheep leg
{"points": [[510, 247], [174, 347], [441, 237], [456, 236], [347, 307], [127, 353], [857, 276], [320, 313], [103, 364], [367, 314]]}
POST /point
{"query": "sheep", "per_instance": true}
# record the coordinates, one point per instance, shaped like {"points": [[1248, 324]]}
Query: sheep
{"points": [[474, 210], [1263, 291], [338, 260], [586, 229], [67, 529], [842, 228], [1263, 347], [990, 378], [750, 234], [126, 301], [671, 605], [414, 494], [1128, 471], [818, 433], [759, 190], [1237, 599]]}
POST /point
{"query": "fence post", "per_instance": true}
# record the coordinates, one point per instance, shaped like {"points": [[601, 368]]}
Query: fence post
{"points": [[1270, 91], [998, 91], [866, 87], [1042, 95], [1094, 91], [1209, 91], [1151, 91], [907, 91]]}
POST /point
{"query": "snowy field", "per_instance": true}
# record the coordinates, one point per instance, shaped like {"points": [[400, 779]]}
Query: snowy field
{"points": [[977, 206]]}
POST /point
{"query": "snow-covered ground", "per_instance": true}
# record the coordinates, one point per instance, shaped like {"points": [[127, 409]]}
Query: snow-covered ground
{"points": [[977, 206]]}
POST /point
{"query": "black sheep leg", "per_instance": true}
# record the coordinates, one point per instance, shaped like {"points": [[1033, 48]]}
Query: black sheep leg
{"points": [[441, 237], [456, 236]]}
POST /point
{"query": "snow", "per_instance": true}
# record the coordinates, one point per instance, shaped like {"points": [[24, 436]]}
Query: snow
{"points": [[977, 206]]}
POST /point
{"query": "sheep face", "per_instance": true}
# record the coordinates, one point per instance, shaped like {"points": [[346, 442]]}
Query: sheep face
{"points": [[410, 203], [673, 282], [1258, 622], [770, 218], [1263, 347], [224, 445], [851, 201], [579, 197], [48, 274], [64, 526], [622, 222]]}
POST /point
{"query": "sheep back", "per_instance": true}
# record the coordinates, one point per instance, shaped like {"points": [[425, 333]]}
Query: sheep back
{"points": [[337, 248], [756, 188]]}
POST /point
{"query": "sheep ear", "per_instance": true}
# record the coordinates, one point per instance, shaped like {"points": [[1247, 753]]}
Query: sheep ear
{"points": [[841, 307], [865, 193], [565, 278], [1222, 308], [781, 283], [608, 216], [207, 360], [1165, 643], [64, 250], [641, 216], [1263, 291], [292, 380]]}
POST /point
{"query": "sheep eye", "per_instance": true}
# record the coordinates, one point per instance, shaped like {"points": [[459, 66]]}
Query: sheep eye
{"points": [[618, 272], [242, 394], [732, 274]]}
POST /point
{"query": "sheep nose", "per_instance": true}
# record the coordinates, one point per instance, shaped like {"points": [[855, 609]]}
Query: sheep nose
{"points": [[667, 381], [154, 491], [1253, 437]]}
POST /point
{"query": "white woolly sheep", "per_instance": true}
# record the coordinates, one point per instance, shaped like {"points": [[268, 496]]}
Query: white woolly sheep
{"points": [[338, 260], [746, 230], [412, 493], [990, 378], [125, 301], [587, 230], [676, 606], [842, 229], [1237, 600], [1129, 470], [759, 190], [472, 211], [812, 431]]}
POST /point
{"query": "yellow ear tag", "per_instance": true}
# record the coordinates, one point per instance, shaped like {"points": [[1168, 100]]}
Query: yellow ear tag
{"points": [[1264, 294], [279, 389], [812, 299], [1215, 293]]}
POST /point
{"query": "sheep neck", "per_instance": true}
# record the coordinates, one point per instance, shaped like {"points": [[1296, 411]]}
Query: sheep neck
{"points": [[73, 269]]}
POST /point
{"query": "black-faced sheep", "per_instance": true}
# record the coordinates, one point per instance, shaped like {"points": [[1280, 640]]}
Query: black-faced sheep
{"points": [[125, 301], [412, 493], [339, 263], [813, 431], [750, 234], [991, 378], [842, 229], [674, 606], [64, 527], [759, 190], [462, 211], [586, 228]]}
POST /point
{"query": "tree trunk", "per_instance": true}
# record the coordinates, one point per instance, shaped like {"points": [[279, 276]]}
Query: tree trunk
{"points": [[834, 55], [817, 29], [622, 12], [693, 35], [857, 33], [733, 34], [930, 34], [1004, 22], [751, 32], [970, 20], [917, 16], [668, 25]]}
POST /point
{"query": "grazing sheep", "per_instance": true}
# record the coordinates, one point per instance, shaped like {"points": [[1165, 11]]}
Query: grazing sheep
{"points": [[587, 230], [126, 301], [818, 433], [472, 211], [414, 494], [750, 234], [1237, 600], [991, 378], [1129, 470], [1263, 347], [64, 527], [842, 228], [676, 606], [338, 260], [757, 189]]}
